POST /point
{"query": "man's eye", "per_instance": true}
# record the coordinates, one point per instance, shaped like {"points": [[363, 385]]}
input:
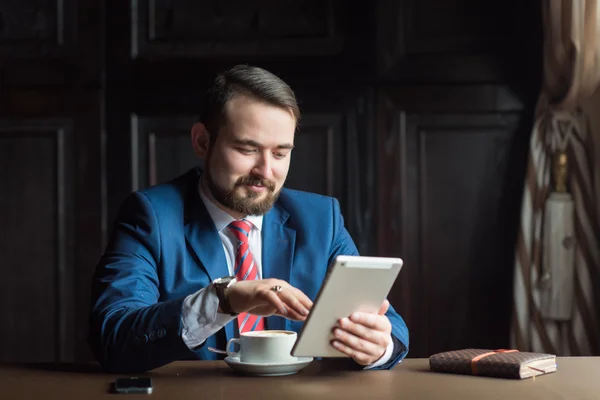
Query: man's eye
{"points": [[280, 155], [245, 151]]}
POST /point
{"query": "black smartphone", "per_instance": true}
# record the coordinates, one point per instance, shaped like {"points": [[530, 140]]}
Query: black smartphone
{"points": [[133, 385]]}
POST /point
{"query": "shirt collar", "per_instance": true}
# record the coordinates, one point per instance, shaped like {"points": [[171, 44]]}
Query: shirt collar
{"points": [[222, 219]]}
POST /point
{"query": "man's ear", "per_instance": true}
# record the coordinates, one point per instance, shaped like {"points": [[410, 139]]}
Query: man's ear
{"points": [[200, 139]]}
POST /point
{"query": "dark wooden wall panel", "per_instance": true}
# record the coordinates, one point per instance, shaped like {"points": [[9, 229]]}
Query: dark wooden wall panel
{"points": [[442, 185], [50, 43], [169, 156], [455, 27], [36, 28], [161, 149], [462, 41], [316, 159], [35, 296], [233, 28], [460, 224], [70, 122]]}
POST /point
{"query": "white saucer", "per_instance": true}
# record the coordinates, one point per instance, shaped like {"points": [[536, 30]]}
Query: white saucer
{"points": [[268, 369]]}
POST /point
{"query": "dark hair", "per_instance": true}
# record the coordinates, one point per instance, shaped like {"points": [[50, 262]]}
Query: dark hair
{"points": [[244, 80]]}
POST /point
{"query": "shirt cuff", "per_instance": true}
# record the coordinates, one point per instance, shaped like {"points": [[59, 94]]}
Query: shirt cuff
{"points": [[385, 357], [200, 317]]}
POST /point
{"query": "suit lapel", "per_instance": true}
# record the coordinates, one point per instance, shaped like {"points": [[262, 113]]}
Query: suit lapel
{"points": [[202, 237], [278, 243]]}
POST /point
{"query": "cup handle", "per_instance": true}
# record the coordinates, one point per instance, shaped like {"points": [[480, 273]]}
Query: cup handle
{"points": [[232, 353]]}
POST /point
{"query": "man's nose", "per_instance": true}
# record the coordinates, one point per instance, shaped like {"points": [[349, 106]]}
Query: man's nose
{"points": [[263, 167]]}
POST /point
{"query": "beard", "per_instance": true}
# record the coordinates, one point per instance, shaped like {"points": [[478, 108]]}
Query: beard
{"points": [[236, 200]]}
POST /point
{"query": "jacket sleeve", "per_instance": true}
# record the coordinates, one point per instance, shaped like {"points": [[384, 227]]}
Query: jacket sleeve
{"points": [[344, 245], [130, 330]]}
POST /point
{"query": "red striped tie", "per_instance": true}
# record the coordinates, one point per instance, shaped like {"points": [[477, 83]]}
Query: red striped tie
{"points": [[245, 269]]}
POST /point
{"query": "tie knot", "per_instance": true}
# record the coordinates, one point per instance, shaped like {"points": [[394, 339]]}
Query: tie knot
{"points": [[241, 229]]}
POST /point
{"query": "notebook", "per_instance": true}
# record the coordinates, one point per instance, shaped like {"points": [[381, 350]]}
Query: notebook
{"points": [[501, 363]]}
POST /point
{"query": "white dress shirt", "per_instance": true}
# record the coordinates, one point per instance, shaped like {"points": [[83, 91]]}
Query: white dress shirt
{"points": [[199, 315]]}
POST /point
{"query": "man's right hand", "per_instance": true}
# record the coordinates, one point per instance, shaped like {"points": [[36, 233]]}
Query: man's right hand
{"points": [[257, 297]]}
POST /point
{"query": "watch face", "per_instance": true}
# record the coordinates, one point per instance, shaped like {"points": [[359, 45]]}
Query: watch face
{"points": [[225, 280]]}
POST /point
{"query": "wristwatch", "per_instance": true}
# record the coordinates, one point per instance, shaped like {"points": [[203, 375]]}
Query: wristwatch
{"points": [[220, 285]]}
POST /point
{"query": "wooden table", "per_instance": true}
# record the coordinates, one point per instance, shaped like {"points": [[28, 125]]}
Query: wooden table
{"points": [[577, 378]]}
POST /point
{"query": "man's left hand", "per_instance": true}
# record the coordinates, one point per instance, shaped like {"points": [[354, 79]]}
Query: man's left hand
{"points": [[364, 336]]}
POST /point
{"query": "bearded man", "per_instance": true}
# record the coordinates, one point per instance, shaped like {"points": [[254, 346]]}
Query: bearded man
{"points": [[193, 262]]}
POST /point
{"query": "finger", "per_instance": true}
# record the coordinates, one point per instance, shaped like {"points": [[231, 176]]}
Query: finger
{"points": [[264, 310], [361, 358], [357, 344], [384, 307], [304, 299], [292, 302], [293, 315], [378, 337], [274, 300], [300, 296], [373, 321], [281, 307]]}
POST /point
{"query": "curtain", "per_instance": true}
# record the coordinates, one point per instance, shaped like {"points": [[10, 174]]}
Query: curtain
{"points": [[557, 256]]}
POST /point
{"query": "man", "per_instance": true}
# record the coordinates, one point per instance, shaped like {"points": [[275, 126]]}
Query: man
{"points": [[163, 290]]}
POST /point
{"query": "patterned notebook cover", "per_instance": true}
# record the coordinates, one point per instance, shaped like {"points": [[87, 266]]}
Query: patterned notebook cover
{"points": [[494, 363]]}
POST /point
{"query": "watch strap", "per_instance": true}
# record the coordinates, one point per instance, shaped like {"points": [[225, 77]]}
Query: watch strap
{"points": [[224, 299]]}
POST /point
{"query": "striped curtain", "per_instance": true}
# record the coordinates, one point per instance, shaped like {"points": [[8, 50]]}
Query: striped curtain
{"points": [[571, 240]]}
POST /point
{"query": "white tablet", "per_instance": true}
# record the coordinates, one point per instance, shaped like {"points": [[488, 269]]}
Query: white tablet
{"points": [[353, 283]]}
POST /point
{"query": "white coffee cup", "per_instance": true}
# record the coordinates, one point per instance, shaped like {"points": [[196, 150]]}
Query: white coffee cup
{"points": [[270, 346]]}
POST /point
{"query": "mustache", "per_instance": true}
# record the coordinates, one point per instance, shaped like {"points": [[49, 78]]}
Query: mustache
{"points": [[255, 181]]}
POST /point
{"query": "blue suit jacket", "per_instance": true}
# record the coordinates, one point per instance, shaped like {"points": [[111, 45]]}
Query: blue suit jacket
{"points": [[164, 246]]}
